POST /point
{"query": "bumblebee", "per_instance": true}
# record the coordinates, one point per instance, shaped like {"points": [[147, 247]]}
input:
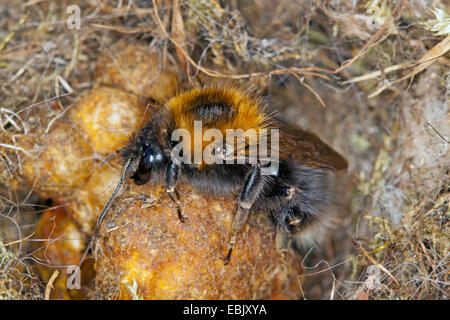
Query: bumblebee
{"points": [[294, 194]]}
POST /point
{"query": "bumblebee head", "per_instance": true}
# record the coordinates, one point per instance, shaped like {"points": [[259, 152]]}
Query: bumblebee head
{"points": [[144, 156], [151, 159]]}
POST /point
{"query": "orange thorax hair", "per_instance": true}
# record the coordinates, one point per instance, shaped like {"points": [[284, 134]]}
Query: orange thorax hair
{"points": [[217, 108]]}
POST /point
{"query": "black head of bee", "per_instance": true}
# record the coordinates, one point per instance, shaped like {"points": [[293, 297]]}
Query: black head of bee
{"points": [[145, 154], [151, 159]]}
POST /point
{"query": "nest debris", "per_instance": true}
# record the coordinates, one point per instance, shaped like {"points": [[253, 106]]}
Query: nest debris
{"points": [[380, 67]]}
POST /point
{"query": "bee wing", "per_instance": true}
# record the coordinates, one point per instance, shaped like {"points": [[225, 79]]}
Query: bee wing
{"points": [[305, 147]]}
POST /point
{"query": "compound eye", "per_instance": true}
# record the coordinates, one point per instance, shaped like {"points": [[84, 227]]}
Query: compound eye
{"points": [[151, 157]]}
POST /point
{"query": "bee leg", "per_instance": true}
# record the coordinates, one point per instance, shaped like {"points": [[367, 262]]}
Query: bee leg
{"points": [[175, 196], [247, 197], [172, 175]]}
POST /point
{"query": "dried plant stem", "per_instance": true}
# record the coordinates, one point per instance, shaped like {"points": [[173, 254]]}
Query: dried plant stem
{"points": [[375, 262], [49, 286], [217, 74]]}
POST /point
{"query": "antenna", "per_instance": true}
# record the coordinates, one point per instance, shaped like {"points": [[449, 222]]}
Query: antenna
{"points": [[108, 204], [105, 210]]}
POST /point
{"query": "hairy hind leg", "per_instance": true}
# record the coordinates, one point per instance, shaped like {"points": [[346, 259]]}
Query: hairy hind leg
{"points": [[247, 197]]}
